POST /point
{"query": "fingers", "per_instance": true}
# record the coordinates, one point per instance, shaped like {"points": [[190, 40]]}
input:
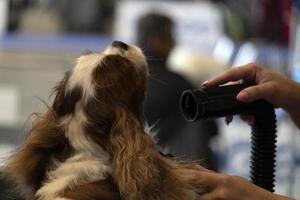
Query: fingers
{"points": [[228, 119], [249, 73], [244, 72], [245, 117], [201, 168], [263, 91], [248, 118], [208, 178]]}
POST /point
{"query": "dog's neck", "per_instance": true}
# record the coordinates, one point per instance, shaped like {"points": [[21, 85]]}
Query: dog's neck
{"points": [[88, 163]]}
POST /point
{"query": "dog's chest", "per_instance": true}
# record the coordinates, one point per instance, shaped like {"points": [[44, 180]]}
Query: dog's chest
{"points": [[78, 169]]}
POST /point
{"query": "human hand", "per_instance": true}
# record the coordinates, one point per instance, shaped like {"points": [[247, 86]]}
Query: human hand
{"points": [[275, 88], [225, 187]]}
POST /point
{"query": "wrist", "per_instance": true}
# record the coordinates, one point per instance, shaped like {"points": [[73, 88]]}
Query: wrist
{"points": [[272, 196], [263, 194]]}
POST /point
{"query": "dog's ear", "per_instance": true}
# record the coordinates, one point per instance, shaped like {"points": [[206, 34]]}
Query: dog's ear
{"points": [[138, 168], [134, 164], [27, 166]]}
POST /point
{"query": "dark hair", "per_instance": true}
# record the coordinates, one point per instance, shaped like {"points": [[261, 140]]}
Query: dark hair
{"points": [[152, 24]]}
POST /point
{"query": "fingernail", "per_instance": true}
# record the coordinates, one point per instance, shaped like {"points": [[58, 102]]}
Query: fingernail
{"points": [[243, 96], [204, 83], [228, 119], [200, 168]]}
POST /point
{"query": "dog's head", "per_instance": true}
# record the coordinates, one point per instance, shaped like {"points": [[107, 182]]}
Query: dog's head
{"points": [[106, 80], [101, 84]]}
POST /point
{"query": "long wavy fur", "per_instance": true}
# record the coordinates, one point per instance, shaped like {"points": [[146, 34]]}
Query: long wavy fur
{"points": [[28, 164], [142, 172]]}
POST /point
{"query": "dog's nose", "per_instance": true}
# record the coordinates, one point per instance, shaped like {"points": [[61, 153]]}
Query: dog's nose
{"points": [[120, 44]]}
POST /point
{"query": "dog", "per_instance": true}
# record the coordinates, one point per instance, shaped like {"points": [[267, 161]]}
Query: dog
{"points": [[91, 143]]}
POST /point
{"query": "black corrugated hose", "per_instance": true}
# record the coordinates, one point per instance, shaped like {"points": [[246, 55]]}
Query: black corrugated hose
{"points": [[263, 145]]}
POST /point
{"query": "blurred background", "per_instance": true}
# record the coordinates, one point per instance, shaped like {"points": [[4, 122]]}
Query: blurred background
{"points": [[40, 39]]}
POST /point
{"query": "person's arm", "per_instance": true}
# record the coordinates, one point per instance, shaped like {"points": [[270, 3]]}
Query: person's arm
{"points": [[275, 88], [226, 187]]}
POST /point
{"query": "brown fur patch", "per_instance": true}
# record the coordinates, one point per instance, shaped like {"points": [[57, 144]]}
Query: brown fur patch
{"points": [[28, 165]]}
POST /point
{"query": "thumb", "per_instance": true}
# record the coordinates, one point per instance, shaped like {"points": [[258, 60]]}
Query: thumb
{"points": [[263, 91]]}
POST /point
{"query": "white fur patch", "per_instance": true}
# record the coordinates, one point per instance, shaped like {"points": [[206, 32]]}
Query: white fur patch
{"points": [[133, 53], [78, 139], [79, 169], [89, 163], [82, 73]]}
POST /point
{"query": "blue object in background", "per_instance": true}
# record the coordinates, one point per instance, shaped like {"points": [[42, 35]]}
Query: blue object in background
{"points": [[297, 4], [72, 43]]}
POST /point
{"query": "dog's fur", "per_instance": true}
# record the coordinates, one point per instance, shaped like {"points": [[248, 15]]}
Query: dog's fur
{"points": [[91, 144]]}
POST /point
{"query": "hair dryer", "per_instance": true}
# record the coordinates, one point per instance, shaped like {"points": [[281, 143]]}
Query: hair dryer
{"points": [[221, 101]]}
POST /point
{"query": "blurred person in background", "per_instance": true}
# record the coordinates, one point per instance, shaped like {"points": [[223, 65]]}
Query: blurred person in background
{"points": [[155, 37]]}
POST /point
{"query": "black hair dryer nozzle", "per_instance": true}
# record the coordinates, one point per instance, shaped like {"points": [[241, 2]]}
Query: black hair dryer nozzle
{"points": [[221, 101], [212, 102]]}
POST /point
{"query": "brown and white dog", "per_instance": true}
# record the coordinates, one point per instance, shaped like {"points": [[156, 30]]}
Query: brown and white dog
{"points": [[91, 143]]}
